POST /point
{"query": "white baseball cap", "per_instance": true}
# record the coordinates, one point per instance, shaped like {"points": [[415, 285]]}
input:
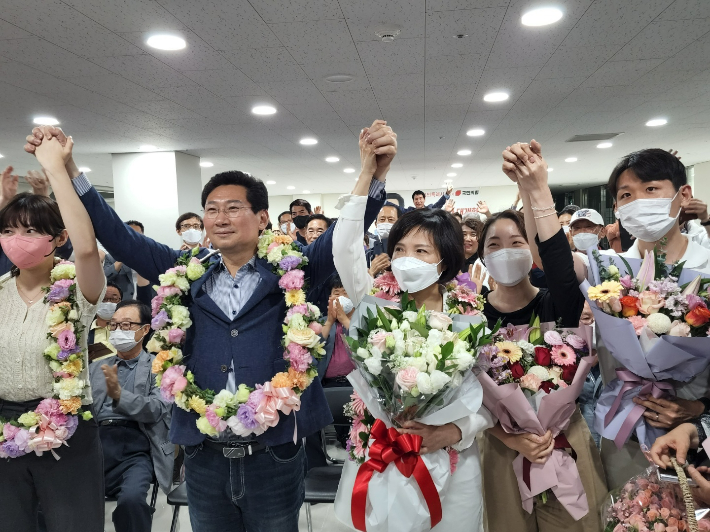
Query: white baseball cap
{"points": [[587, 214]]}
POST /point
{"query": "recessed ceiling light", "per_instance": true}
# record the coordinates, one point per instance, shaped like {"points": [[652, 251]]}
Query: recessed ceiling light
{"points": [[308, 141], [290, 188], [1, 156], [206, 164], [45, 120], [263, 110], [340, 78], [271, 182], [348, 170], [147, 147], [456, 165], [570, 160], [460, 35], [475, 132], [550, 169], [166, 41], [306, 191], [495, 97], [463, 152], [84, 169], [541, 16], [451, 174], [603, 145], [657, 122], [332, 159]]}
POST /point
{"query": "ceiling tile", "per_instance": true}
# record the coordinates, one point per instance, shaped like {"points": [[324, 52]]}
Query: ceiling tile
{"points": [[197, 55], [267, 64], [621, 72], [127, 15], [10, 31], [577, 61], [404, 56], [48, 58], [297, 10], [145, 70], [686, 10], [367, 18], [226, 82], [663, 39]]}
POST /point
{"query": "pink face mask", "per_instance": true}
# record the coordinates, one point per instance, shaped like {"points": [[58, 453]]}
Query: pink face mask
{"points": [[25, 251]]}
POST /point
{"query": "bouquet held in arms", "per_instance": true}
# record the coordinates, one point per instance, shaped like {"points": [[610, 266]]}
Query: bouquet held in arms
{"points": [[655, 323], [530, 383], [411, 365]]}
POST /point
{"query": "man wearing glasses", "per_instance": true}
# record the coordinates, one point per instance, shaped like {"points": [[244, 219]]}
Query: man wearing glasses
{"points": [[99, 345], [189, 226], [133, 418]]}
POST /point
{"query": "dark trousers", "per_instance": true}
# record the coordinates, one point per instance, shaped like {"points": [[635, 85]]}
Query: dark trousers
{"points": [[70, 490], [258, 493], [128, 471]]}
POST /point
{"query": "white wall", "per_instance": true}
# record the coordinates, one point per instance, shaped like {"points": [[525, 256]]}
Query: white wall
{"points": [[701, 181]]}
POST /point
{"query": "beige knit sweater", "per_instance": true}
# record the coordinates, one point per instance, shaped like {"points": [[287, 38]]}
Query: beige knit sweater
{"points": [[24, 372]]}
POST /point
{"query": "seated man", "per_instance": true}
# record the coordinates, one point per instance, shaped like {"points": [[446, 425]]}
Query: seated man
{"points": [[99, 332], [117, 272], [133, 419]]}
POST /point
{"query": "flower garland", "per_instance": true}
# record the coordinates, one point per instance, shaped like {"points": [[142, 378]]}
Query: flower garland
{"points": [[249, 411], [54, 421]]}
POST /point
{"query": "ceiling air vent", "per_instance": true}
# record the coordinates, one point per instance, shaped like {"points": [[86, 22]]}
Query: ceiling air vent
{"points": [[593, 136]]}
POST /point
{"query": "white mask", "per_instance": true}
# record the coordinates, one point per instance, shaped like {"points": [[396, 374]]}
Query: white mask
{"points": [[346, 303], [648, 219], [192, 236], [509, 266], [585, 241], [287, 228], [384, 229], [565, 228], [105, 310], [414, 275], [123, 341]]}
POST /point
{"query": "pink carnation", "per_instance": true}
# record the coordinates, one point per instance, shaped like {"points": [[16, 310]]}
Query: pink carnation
{"points": [[167, 291], [638, 323], [694, 301], [156, 303], [173, 381], [553, 338], [178, 269], [64, 283], [9, 431], [298, 309], [52, 409], [315, 327], [175, 335], [575, 341], [299, 357], [66, 340], [213, 419], [531, 382], [292, 280]]}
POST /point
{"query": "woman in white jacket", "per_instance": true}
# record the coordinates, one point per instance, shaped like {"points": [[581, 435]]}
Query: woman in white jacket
{"points": [[426, 248]]}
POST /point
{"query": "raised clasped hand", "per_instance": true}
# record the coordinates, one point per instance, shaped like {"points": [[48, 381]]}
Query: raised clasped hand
{"points": [[384, 146], [523, 164]]}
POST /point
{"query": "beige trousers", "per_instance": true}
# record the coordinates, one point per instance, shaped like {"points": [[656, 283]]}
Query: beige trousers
{"points": [[503, 507]]}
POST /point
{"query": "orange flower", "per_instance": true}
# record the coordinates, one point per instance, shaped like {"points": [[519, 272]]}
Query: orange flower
{"points": [[629, 306], [59, 327], [698, 316], [64, 305], [159, 359], [70, 406], [299, 380], [283, 239], [282, 380]]}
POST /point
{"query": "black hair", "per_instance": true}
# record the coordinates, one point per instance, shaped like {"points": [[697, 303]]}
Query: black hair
{"points": [[476, 225], [114, 285], [187, 216], [335, 282], [32, 210], [137, 223], [418, 193], [143, 315], [328, 221], [458, 216], [269, 226], [649, 165], [394, 206], [300, 203], [445, 232], [395, 196], [280, 215], [508, 214], [257, 195], [569, 209]]}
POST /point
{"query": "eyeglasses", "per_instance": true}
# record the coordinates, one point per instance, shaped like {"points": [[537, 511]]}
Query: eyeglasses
{"points": [[124, 325], [112, 299], [233, 211], [185, 227]]}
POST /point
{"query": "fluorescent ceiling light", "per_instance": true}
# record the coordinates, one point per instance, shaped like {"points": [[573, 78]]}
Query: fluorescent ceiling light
{"points": [[496, 97], [463, 152], [84, 169], [332, 159], [340, 78], [147, 147], [657, 122], [603, 145], [348, 170], [451, 174], [475, 132], [165, 41], [1, 156], [263, 110], [308, 141], [206, 164], [550, 169], [290, 188], [271, 182], [570, 160], [456, 165], [45, 120], [541, 16]]}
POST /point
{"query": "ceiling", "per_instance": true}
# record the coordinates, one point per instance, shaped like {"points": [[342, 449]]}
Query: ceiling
{"points": [[607, 66]]}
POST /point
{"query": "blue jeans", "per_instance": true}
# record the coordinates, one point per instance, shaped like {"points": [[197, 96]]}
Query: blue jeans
{"points": [[259, 493]]}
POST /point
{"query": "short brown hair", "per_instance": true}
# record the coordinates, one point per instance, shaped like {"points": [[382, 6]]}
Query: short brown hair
{"points": [[187, 216], [475, 225], [508, 214]]}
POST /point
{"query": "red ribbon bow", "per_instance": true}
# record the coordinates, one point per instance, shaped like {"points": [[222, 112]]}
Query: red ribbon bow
{"points": [[403, 450]]}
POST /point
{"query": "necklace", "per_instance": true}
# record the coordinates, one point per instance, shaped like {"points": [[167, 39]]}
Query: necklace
{"points": [[24, 294]]}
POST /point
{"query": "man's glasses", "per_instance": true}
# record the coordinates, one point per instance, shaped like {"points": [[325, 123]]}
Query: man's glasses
{"points": [[124, 325], [112, 300], [233, 211], [186, 227]]}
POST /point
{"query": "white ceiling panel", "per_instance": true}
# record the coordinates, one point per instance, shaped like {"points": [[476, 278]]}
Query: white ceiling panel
{"points": [[145, 70], [127, 15], [48, 58], [366, 18], [197, 55], [663, 39], [405, 56], [615, 73], [686, 10], [226, 82], [266, 64], [297, 10]]}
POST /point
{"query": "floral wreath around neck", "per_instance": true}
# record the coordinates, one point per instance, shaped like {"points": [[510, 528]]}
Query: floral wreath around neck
{"points": [[54, 421], [249, 411]]}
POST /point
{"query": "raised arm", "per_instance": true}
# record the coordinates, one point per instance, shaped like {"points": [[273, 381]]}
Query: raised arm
{"points": [[442, 200], [89, 273]]}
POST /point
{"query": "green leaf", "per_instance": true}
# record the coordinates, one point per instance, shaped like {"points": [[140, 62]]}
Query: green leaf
{"points": [[384, 319], [629, 270]]}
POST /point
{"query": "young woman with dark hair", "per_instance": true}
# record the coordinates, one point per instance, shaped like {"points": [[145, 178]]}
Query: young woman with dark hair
{"points": [[70, 490], [426, 247]]}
